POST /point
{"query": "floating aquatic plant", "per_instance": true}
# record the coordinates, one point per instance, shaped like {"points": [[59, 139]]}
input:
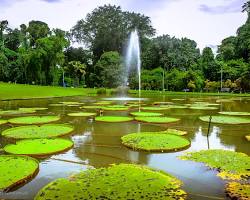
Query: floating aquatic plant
{"points": [[231, 165], [157, 119], [236, 113], [124, 181], [16, 170], [158, 142], [113, 119], [34, 131], [16, 112], [146, 114], [2, 121], [152, 108], [226, 119], [238, 191], [39, 147], [248, 137], [201, 107], [32, 109], [81, 114], [34, 119], [115, 108]]}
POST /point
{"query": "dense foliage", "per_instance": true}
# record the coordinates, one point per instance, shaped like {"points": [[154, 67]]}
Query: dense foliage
{"points": [[37, 54]]}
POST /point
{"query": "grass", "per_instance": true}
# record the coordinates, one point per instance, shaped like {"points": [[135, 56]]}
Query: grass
{"points": [[231, 165], [20, 91], [124, 181], [39, 147], [33, 131], [16, 170], [155, 142]]}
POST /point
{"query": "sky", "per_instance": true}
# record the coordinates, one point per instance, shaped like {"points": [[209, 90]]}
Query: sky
{"points": [[207, 22]]}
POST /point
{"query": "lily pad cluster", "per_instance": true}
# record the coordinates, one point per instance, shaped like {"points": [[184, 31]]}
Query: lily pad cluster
{"points": [[34, 119], [16, 170], [237, 190], [113, 119], [160, 120], [34, 131], [231, 165], [124, 181], [155, 142], [226, 119], [39, 147]]}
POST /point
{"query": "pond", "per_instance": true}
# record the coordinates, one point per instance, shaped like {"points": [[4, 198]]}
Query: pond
{"points": [[98, 144]]}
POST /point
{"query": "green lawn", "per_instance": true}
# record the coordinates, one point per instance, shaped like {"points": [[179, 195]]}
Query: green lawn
{"points": [[19, 91]]}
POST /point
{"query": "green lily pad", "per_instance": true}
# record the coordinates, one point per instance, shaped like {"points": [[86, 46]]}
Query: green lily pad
{"points": [[178, 99], [92, 107], [162, 103], [71, 103], [176, 132], [2, 121], [81, 114], [32, 109], [157, 119], [146, 114], [224, 100], [33, 131], [34, 119], [39, 147], [156, 142], [237, 190], [248, 137], [124, 181], [226, 119], [115, 108], [16, 170], [56, 104], [200, 107], [236, 113], [154, 108], [174, 106], [231, 165], [113, 119], [103, 103], [16, 112]]}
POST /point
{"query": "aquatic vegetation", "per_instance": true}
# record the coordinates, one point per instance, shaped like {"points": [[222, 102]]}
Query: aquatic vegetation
{"points": [[162, 103], [226, 119], [231, 165], [146, 114], [158, 142], [34, 119], [16, 112], [2, 121], [34, 131], [248, 137], [16, 170], [238, 191], [103, 103], [113, 119], [235, 113], [201, 107], [224, 100], [175, 131], [92, 107], [71, 103], [39, 147], [178, 99], [174, 106], [33, 109], [124, 181], [154, 108], [115, 108], [81, 114], [56, 104], [157, 119]]}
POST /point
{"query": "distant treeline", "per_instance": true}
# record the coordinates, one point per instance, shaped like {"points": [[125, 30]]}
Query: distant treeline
{"points": [[37, 54]]}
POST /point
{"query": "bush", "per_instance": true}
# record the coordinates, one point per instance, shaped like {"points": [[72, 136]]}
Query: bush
{"points": [[101, 91]]}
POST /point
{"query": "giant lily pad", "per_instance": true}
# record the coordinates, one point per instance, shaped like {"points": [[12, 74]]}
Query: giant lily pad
{"points": [[237, 190], [71, 103], [33, 131], [154, 108], [39, 147], [232, 165], [158, 142], [226, 119], [2, 121], [124, 181], [32, 109], [16, 170], [146, 114], [115, 108], [248, 137], [92, 107], [174, 106], [175, 131], [201, 107], [236, 113], [81, 114], [34, 119], [113, 119], [16, 112], [157, 119], [103, 103]]}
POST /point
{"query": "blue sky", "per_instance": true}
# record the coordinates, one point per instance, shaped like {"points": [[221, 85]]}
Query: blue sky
{"points": [[205, 21]]}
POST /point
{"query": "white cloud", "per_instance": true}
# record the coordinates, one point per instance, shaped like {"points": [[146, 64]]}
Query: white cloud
{"points": [[180, 18]]}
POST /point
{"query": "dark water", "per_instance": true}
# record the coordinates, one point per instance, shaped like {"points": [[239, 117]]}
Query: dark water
{"points": [[97, 144]]}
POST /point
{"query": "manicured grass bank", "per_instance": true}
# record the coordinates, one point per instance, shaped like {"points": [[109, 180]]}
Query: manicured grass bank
{"points": [[20, 91]]}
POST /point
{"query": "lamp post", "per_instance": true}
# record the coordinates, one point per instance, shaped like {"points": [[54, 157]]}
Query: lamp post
{"points": [[221, 78]]}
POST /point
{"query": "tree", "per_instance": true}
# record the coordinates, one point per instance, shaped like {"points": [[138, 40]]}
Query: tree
{"points": [[75, 70], [107, 27], [108, 70]]}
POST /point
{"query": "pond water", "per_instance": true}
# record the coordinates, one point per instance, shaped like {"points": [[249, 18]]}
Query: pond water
{"points": [[97, 144]]}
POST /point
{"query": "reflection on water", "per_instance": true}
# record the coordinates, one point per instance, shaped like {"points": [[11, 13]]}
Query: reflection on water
{"points": [[97, 144]]}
